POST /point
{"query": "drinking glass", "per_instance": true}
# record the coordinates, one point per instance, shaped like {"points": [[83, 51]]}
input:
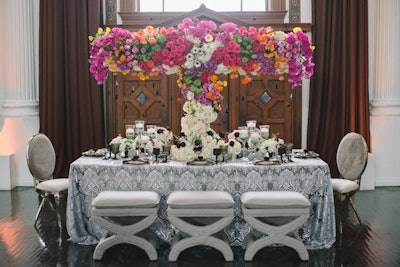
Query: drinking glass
{"points": [[156, 152], [289, 151], [216, 152]]}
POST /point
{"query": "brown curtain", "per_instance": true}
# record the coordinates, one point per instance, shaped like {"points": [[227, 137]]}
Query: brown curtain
{"points": [[70, 101], [339, 101]]}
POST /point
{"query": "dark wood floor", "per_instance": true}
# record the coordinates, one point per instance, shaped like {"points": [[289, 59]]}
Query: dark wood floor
{"points": [[375, 243]]}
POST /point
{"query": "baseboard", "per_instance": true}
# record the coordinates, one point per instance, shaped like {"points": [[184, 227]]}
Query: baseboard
{"points": [[390, 181], [24, 182]]}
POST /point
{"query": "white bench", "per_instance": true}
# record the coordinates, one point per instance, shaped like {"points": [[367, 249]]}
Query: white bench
{"points": [[124, 215], [201, 215], [277, 215]]}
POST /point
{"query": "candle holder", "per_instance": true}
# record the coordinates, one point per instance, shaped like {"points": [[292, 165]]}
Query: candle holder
{"points": [[251, 125], [264, 131], [139, 126], [129, 131]]}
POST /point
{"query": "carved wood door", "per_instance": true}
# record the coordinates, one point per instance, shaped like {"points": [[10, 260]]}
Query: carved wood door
{"points": [[141, 100], [268, 100]]}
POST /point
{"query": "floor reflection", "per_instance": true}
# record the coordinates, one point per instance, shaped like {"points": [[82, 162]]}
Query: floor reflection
{"points": [[376, 242]]}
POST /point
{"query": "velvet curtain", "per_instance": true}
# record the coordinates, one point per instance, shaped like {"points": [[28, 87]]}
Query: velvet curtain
{"points": [[70, 101], [339, 101]]}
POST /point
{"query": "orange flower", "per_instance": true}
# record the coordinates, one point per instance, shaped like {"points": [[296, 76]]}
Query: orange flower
{"points": [[209, 95], [150, 63], [270, 46], [179, 100], [214, 78], [152, 40], [234, 76], [246, 80], [122, 58], [142, 76], [255, 66], [219, 86], [149, 29]]}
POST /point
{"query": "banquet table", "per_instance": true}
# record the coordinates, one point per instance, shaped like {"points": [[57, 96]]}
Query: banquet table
{"points": [[311, 177]]}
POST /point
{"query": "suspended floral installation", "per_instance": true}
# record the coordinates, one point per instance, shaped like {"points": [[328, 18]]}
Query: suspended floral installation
{"points": [[198, 52]]}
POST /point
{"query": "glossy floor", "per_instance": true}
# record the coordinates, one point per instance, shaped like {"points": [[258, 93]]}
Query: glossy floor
{"points": [[375, 243]]}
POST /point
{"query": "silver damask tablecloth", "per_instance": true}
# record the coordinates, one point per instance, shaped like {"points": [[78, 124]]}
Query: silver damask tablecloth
{"points": [[311, 177]]}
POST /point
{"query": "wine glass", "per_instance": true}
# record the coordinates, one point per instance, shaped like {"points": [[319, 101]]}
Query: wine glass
{"points": [[289, 151], [156, 152], [216, 152], [114, 150], [281, 151]]}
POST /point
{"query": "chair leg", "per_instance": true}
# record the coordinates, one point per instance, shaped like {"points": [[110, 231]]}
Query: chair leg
{"points": [[39, 210], [355, 209], [58, 215]]}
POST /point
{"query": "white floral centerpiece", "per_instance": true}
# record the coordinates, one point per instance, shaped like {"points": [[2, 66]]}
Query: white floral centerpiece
{"points": [[271, 145], [197, 139]]}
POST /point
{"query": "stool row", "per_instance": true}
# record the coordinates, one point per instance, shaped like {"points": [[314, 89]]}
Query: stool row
{"points": [[200, 217]]}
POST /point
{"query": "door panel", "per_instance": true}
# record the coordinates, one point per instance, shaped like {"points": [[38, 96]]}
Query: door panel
{"points": [[265, 99], [141, 100]]}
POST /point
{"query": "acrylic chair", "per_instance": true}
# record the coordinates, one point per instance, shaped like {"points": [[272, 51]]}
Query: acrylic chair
{"points": [[351, 158], [41, 159]]}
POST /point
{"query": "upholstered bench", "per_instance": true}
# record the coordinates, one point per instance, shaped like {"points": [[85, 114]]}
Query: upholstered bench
{"points": [[277, 215], [125, 215], [200, 216]]}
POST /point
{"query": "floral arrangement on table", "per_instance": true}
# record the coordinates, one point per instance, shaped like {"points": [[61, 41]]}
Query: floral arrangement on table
{"points": [[198, 51]]}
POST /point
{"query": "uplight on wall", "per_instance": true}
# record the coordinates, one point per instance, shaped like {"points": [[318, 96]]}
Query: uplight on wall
{"points": [[12, 131]]}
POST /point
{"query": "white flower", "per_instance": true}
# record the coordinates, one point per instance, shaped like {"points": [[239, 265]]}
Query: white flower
{"points": [[208, 38], [271, 145], [221, 69], [234, 147], [117, 140], [280, 35], [190, 95], [189, 57]]}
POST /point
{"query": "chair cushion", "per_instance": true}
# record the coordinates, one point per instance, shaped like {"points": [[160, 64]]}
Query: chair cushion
{"points": [[274, 200], [200, 200], [54, 185], [124, 199], [344, 186], [352, 156]]}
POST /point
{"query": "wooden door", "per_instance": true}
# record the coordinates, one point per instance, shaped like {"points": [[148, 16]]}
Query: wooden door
{"points": [[136, 99], [267, 100]]}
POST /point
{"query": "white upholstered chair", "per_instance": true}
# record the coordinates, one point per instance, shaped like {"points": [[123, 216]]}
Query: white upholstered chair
{"points": [[41, 160], [351, 158], [125, 215], [200, 217]]}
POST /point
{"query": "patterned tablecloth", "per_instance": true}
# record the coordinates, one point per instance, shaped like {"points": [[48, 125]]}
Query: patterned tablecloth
{"points": [[311, 177]]}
